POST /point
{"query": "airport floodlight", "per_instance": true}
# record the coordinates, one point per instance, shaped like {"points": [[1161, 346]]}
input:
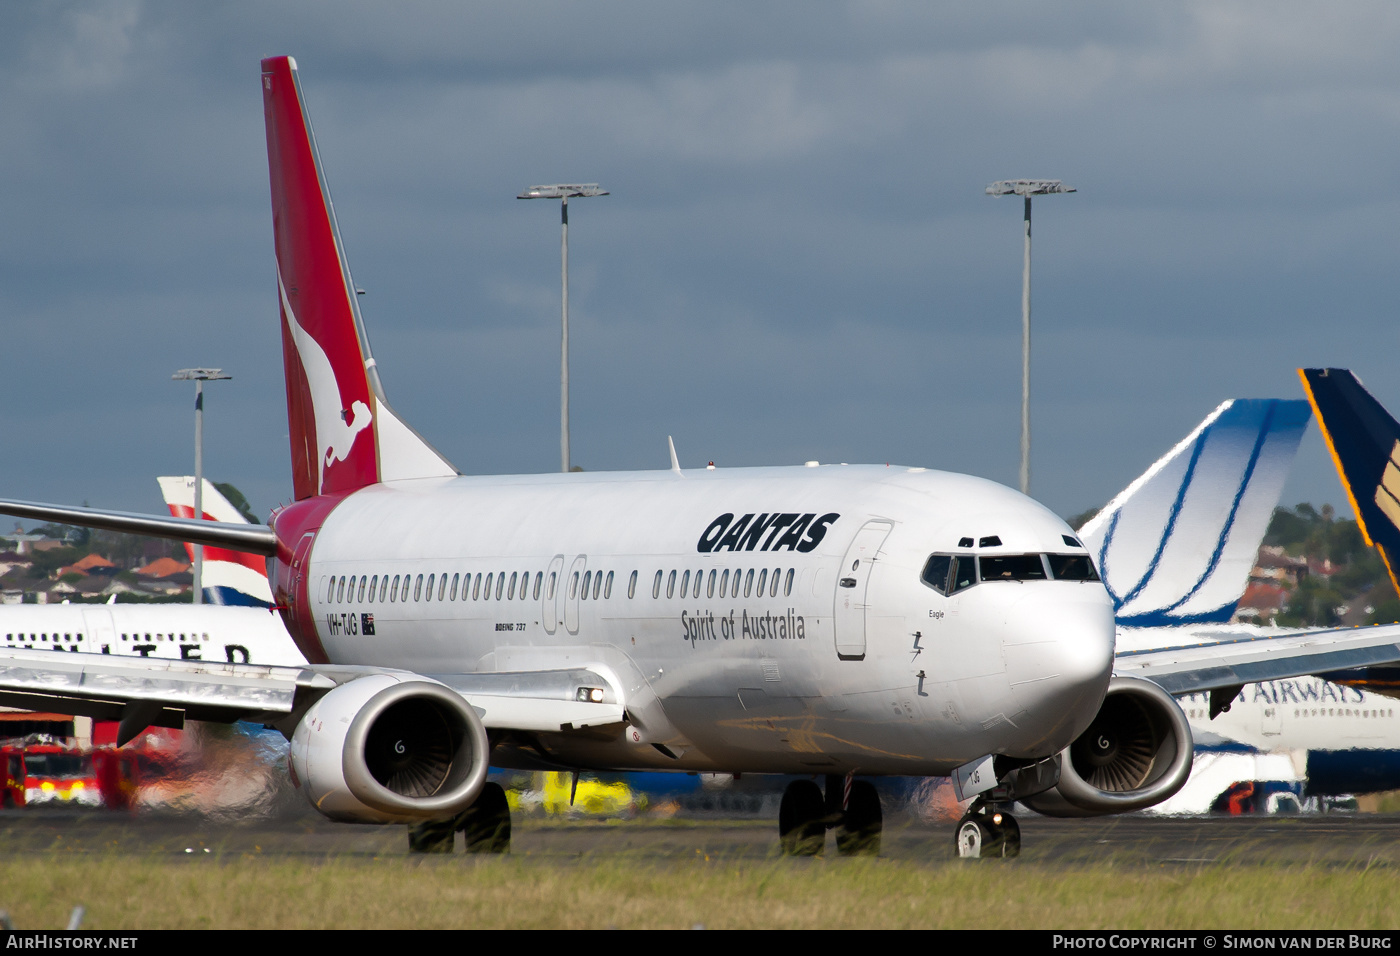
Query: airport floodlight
{"points": [[1026, 188], [199, 376], [564, 192]]}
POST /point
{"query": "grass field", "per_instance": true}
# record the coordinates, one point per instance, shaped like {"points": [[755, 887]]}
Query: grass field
{"points": [[248, 891]]}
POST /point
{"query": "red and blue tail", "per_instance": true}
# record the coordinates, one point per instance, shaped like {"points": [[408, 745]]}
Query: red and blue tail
{"points": [[343, 434]]}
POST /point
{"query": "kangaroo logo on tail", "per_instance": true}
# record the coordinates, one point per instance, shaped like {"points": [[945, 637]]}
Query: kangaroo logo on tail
{"points": [[336, 428]]}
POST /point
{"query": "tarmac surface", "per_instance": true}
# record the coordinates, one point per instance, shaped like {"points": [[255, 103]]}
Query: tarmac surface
{"points": [[1335, 839]]}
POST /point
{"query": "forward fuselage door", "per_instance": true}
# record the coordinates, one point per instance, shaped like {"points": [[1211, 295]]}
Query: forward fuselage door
{"points": [[852, 584], [568, 590], [550, 601]]}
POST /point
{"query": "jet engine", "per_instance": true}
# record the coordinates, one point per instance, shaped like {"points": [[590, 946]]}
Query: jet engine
{"points": [[390, 748], [1136, 753]]}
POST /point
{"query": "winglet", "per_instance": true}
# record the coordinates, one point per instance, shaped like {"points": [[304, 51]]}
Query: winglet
{"points": [[675, 462]]}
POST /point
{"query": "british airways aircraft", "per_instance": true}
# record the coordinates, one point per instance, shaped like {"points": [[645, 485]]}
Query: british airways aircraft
{"points": [[840, 622]]}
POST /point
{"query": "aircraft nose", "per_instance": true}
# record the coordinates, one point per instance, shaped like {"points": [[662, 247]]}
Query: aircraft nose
{"points": [[1059, 658]]}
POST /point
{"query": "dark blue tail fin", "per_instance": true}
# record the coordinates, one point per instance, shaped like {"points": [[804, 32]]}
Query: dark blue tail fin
{"points": [[1365, 443]]}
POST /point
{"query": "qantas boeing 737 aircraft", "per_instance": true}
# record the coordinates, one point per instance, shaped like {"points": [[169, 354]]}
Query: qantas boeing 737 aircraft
{"points": [[838, 622]]}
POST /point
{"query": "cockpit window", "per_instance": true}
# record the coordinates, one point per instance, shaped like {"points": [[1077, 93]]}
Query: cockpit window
{"points": [[936, 572], [1012, 567], [964, 573], [950, 573], [1072, 567]]}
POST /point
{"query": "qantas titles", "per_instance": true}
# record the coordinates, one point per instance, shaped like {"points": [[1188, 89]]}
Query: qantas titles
{"points": [[786, 530]]}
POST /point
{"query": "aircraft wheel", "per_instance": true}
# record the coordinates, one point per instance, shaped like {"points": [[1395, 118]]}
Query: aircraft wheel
{"points": [[801, 823], [486, 824], [859, 830], [432, 836], [972, 839], [1010, 836]]}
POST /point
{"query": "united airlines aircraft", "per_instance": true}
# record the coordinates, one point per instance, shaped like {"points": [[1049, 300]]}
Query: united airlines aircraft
{"points": [[830, 621]]}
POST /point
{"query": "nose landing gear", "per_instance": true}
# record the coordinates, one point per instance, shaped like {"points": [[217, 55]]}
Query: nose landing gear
{"points": [[985, 831], [806, 814]]}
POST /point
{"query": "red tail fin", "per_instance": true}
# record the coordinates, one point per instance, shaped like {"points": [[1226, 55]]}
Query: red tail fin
{"points": [[343, 434]]}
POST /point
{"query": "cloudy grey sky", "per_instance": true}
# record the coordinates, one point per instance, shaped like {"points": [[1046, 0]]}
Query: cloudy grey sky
{"points": [[797, 260]]}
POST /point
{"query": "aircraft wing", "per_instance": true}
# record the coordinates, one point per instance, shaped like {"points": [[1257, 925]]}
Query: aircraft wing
{"points": [[1247, 660], [145, 692]]}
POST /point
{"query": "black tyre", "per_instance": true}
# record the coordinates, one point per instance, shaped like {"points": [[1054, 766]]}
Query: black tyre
{"points": [[801, 827], [432, 836], [1010, 836], [862, 822], [486, 825]]}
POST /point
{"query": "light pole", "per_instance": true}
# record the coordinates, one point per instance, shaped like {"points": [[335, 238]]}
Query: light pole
{"points": [[564, 192], [1026, 188], [199, 376]]}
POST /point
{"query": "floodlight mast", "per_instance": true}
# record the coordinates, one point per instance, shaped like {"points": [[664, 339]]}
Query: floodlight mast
{"points": [[1026, 188], [564, 192], [199, 376]]}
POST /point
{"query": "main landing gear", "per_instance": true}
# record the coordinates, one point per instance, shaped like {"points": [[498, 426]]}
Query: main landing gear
{"points": [[806, 814], [985, 831], [485, 824]]}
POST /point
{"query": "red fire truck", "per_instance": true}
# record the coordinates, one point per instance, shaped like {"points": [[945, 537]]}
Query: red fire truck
{"points": [[43, 769]]}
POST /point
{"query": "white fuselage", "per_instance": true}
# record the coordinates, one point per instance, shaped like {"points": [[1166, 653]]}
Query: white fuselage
{"points": [[836, 666], [238, 635]]}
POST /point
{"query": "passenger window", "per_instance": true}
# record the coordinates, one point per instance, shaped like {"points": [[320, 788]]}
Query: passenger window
{"points": [[597, 584], [442, 586], [1011, 567], [340, 591], [787, 586], [500, 584], [553, 577], [964, 573], [432, 579], [452, 596], [476, 588], [361, 595], [394, 591], [777, 572], [762, 582], [539, 581], [524, 584], [748, 582], [607, 588], [936, 571], [373, 586], [723, 582], [587, 580], [510, 591], [486, 588], [1071, 567], [573, 586], [710, 588], [383, 587], [685, 582], [418, 588], [656, 586], [632, 586], [671, 585]]}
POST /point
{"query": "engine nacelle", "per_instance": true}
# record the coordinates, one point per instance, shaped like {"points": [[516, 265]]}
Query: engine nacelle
{"points": [[1136, 753], [389, 748]]}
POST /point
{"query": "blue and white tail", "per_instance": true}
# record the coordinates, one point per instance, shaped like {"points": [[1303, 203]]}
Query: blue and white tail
{"points": [[230, 577], [1176, 546]]}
